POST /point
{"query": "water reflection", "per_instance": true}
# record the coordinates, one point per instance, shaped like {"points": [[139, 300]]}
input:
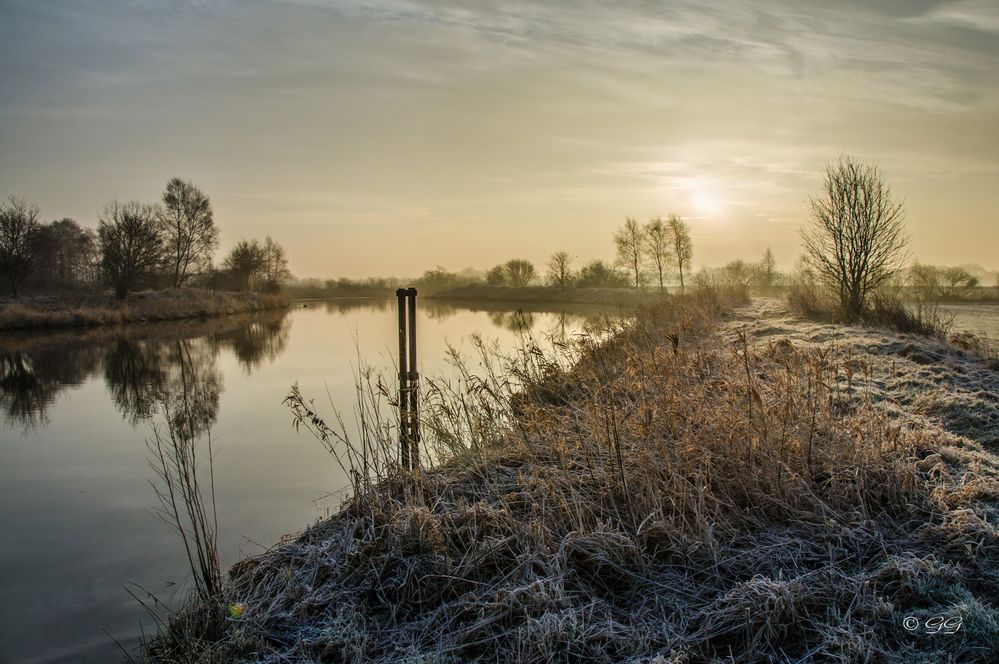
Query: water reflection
{"points": [[172, 366], [520, 322], [521, 319]]}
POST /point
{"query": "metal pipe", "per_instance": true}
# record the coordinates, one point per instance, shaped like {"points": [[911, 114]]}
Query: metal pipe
{"points": [[403, 382], [414, 385]]}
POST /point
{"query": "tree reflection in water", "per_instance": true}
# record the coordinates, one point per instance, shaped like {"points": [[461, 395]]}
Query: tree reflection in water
{"points": [[166, 366], [174, 365]]}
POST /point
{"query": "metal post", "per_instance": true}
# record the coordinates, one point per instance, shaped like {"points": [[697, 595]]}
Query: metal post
{"points": [[414, 385], [403, 383]]}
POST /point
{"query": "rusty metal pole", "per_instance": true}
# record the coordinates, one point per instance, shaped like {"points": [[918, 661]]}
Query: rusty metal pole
{"points": [[414, 385], [403, 383]]}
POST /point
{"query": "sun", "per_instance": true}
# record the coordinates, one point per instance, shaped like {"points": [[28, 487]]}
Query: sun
{"points": [[705, 200]]}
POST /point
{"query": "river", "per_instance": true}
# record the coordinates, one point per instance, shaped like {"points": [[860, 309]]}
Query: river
{"points": [[77, 407]]}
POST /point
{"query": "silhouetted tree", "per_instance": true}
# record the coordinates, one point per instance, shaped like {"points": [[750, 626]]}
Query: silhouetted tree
{"points": [[598, 274], [767, 270], [275, 267], [189, 233], [925, 282], [630, 249], [131, 241], [519, 272], [496, 276], [439, 279], [559, 272], [18, 230], [65, 251], [856, 240], [683, 248], [957, 281], [245, 263], [657, 245]]}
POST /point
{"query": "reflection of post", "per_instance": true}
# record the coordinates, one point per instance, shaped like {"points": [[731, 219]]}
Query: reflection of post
{"points": [[414, 385], [403, 382]]}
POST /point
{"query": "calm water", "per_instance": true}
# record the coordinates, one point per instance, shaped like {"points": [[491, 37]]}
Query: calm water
{"points": [[77, 408]]}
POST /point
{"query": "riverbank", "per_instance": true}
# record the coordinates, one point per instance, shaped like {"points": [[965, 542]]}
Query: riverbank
{"points": [[94, 310], [621, 297], [701, 485]]}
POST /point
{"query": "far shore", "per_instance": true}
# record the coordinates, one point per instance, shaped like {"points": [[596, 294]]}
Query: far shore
{"points": [[63, 311], [547, 294]]}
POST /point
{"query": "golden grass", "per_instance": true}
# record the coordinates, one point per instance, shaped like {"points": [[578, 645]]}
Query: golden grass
{"points": [[676, 492]]}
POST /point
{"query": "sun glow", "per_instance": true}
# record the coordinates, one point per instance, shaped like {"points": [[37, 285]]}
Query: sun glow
{"points": [[705, 200]]}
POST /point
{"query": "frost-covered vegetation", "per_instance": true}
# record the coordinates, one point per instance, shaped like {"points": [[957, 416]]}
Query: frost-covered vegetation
{"points": [[695, 486]]}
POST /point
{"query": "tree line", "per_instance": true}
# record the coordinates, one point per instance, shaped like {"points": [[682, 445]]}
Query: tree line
{"points": [[136, 245], [656, 249]]}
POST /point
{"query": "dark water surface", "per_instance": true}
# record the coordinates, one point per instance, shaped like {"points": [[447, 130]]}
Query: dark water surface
{"points": [[77, 407]]}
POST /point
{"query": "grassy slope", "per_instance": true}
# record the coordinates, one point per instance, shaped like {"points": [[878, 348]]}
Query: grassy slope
{"points": [[170, 304], [752, 489]]}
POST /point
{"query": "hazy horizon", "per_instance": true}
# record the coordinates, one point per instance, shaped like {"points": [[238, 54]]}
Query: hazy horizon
{"points": [[384, 138]]}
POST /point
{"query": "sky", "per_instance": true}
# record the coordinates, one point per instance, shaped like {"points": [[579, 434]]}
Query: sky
{"points": [[391, 136]]}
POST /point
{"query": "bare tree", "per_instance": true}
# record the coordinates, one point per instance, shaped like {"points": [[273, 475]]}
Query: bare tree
{"points": [[275, 263], [657, 244], [768, 270], [856, 239], [496, 276], [559, 271], [190, 234], [18, 230], [519, 272], [683, 248], [246, 263], [630, 249], [131, 241], [65, 251], [958, 282], [598, 274]]}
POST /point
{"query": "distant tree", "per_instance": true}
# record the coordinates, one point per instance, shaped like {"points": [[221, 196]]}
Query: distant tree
{"points": [[131, 242], [925, 282], [683, 248], [598, 274], [739, 274], [496, 276], [190, 235], [767, 270], [18, 230], [856, 239], [630, 249], [519, 272], [658, 248], [275, 268], [957, 281], [66, 251], [559, 270], [245, 263]]}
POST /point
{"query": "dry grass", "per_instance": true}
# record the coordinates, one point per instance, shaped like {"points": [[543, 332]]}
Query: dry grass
{"points": [[684, 490], [170, 304]]}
